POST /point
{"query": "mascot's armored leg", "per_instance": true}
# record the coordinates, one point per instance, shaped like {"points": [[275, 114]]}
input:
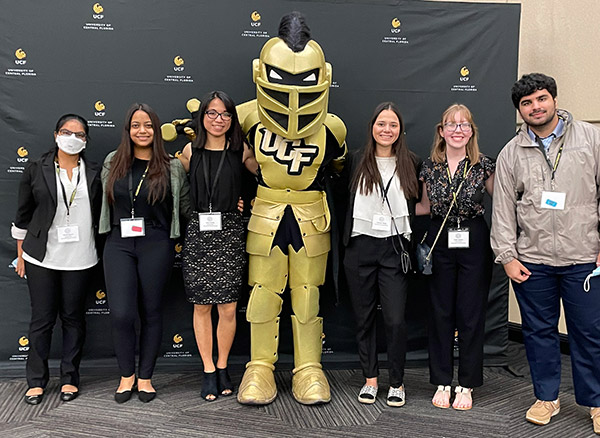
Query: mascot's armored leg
{"points": [[309, 384], [268, 276]]}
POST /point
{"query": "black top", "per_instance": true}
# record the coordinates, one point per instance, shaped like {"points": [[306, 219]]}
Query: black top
{"points": [[227, 190], [154, 215], [440, 189]]}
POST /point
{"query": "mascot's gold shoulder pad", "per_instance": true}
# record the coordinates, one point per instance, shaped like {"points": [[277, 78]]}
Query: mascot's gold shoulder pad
{"points": [[247, 114], [337, 127]]}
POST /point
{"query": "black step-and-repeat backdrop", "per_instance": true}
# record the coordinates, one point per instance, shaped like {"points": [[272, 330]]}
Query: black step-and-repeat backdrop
{"points": [[96, 58]]}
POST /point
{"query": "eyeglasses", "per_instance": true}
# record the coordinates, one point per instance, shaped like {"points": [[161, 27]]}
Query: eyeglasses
{"points": [[80, 135], [464, 127], [212, 114]]}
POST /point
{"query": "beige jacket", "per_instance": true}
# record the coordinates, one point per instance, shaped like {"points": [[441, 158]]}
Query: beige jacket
{"points": [[520, 227]]}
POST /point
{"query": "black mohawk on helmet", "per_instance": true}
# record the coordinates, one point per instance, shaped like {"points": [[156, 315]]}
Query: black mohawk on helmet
{"points": [[294, 31]]}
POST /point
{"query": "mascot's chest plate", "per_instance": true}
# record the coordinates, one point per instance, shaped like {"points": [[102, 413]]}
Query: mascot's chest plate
{"points": [[289, 164]]}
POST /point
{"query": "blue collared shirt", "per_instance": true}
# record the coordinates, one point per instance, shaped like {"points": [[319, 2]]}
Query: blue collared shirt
{"points": [[546, 141]]}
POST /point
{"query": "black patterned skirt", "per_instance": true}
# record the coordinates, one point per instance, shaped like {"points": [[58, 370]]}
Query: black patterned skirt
{"points": [[214, 261]]}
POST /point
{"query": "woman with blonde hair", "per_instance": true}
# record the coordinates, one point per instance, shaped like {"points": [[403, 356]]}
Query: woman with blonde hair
{"points": [[455, 179]]}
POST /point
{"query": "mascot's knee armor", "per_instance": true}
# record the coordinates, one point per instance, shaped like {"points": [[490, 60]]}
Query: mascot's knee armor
{"points": [[268, 276], [306, 275]]}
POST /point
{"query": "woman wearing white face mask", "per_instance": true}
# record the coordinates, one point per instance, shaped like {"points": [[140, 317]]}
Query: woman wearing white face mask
{"points": [[55, 227]]}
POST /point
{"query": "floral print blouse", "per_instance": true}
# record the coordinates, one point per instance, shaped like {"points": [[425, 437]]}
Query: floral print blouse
{"points": [[440, 189]]}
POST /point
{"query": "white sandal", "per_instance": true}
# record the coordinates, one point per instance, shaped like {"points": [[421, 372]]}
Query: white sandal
{"points": [[444, 393], [396, 396], [461, 395], [368, 394]]}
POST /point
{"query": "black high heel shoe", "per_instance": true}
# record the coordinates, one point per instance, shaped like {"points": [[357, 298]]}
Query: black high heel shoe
{"points": [[124, 396], [224, 382], [209, 387]]}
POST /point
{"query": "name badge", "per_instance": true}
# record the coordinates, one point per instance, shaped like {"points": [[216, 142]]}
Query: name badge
{"points": [[210, 221], [381, 222], [458, 238], [133, 227], [553, 200], [69, 233]]}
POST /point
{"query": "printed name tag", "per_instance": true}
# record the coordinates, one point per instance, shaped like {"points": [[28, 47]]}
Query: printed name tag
{"points": [[553, 200], [381, 222], [210, 221], [458, 238], [133, 227], [70, 233]]}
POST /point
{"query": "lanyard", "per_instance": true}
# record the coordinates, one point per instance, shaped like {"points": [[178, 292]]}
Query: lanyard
{"points": [[384, 190], [556, 160], [133, 196], [465, 172], [211, 190], [64, 192]]}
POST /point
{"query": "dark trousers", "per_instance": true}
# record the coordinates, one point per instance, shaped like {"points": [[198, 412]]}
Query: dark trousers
{"points": [[539, 301], [459, 290], [55, 293], [137, 270], [374, 275]]}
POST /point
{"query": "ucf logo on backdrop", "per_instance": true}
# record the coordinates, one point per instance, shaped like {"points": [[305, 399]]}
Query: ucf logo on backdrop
{"points": [[295, 142]]}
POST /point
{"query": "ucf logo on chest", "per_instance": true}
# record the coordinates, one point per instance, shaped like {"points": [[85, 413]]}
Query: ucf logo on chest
{"points": [[294, 154]]}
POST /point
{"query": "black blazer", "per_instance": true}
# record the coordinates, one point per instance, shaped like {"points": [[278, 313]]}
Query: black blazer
{"points": [[38, 197], [351, 165]]}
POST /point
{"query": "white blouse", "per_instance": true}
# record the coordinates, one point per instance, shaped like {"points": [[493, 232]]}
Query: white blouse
{"points": [[71, 256], [365, 206]]}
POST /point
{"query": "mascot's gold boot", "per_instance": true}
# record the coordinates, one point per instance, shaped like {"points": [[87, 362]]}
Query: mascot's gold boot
{"points": [[258, 384], [309, 384]]}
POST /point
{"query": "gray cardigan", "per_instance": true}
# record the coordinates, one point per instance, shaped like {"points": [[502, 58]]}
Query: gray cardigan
{"points": [[180, 191]]}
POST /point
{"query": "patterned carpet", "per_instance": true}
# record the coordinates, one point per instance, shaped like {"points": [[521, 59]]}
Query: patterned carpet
{"points": [[178, 411]]}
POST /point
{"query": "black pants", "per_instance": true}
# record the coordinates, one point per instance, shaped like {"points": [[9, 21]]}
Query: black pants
{"points": [[374, 274], [459, 290], [55, 293], [136, 271]]}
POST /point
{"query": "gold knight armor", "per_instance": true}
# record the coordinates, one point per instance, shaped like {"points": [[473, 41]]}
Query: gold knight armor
{"points": [[294, 140]]}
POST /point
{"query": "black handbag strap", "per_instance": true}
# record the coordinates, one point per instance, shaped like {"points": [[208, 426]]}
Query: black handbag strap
{"points": [[404, 255]]}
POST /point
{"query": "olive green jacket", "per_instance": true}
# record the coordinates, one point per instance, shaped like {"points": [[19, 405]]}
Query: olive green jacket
{"points": [[180, 191]]}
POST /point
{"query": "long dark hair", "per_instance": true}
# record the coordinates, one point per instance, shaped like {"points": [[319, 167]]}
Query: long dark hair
{"points": [[367, 176], [234, 134], [158, 167]]}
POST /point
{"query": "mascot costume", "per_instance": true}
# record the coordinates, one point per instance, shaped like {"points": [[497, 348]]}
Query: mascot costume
{"points": [[297, 145], [296, 142]]}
